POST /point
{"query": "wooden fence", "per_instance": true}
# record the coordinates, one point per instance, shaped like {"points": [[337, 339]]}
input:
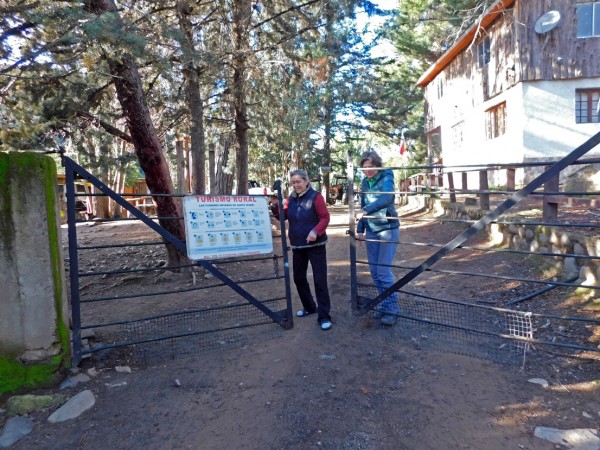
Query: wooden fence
{"points": [[435, 179]]}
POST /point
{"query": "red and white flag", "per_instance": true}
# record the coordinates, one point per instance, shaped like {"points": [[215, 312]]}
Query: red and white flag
{"points": [[402, 146]]}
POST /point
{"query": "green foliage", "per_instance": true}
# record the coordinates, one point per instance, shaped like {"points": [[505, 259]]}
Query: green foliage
{"points": [[424, 29], [313, 88], [421, 30], [107, 30]]}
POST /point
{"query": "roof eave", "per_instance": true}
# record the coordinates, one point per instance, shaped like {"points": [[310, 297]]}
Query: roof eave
{"points": [[464, 41]]}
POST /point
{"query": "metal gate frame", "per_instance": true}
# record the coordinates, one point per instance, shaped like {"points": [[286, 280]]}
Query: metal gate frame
{"points": [[74, 171], [555, 169], [522, 333]]}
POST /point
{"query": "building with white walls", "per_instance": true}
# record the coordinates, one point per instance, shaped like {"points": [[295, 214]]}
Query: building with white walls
{"points": [[521, 84]]}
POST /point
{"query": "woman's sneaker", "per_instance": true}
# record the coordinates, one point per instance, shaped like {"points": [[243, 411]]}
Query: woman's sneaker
{"points": [[304, 313], [325, 325], [389, 320]]}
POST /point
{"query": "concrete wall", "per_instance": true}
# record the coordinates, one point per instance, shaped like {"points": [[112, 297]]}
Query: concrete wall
{"points": [[34, 338], [549, 127], [540, 124]]}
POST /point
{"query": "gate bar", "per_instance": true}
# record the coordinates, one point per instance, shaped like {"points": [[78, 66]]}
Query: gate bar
{"points": [[73, 261], [351, 229], [284, 252], [283, 319], [485, 220]]}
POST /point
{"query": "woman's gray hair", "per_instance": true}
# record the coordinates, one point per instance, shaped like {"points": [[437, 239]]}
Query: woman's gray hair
{"points": [[373, 157], [301, 173]]}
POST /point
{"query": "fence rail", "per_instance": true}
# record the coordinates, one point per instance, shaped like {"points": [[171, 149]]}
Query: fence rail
{"points": [[438, 179], [146, 313], [521, 232]]}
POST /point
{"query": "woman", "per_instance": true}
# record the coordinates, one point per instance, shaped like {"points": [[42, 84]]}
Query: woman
{"points": [[308, 218], [382, 230]]}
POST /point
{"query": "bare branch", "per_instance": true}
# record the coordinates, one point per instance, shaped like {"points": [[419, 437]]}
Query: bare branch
{"points": [[32, 55], [107, 126], [15, 31], [18, 8], [285, 11]]}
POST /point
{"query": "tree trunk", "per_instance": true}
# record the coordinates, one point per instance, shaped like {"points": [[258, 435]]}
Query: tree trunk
{"points": [[241, 19], [211, 169], [192, 91], [103, 206], [119, 181], [94, 164], [223, 180], [194, 101], [327, 154], [148, 148], [329, 95], [180, 160]]}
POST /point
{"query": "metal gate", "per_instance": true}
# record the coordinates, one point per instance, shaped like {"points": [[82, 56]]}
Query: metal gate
{"points": [[507, 333], [164, 318]]}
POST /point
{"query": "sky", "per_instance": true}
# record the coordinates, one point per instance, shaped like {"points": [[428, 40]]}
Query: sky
{"points": [[384, 48]]}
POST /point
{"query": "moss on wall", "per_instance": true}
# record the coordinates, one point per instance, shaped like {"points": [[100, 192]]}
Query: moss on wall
{"points": [[15, 375], [52, 210], [27, 168]]}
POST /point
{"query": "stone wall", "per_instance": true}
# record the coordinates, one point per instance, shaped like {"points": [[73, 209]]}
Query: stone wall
{"points": [[34, 338], [541, 239]]}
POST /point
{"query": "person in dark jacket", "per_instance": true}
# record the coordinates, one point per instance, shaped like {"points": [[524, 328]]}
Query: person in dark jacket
{"points": [[379, 219], [308, 217]]}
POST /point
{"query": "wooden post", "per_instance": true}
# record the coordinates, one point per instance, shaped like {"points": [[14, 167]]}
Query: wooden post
{"points": [[451, 187], [211, 169], [550, 209], [510, 179], [464, 180], [484, 198]]}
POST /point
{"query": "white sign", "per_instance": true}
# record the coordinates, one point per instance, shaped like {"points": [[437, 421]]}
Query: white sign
{"points": [[224, 226]]}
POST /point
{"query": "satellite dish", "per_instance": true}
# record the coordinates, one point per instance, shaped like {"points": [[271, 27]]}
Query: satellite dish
{"points": [[547, 22]]}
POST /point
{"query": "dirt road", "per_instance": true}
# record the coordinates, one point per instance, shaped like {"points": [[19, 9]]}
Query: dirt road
{"points": [[357, 386]]}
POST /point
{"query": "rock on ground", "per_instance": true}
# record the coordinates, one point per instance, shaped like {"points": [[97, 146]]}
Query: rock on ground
{"points": [[580, 438], [76, 406], [15, 429]]}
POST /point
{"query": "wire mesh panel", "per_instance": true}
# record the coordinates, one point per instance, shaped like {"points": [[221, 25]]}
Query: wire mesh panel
{"points": [[480, 266], [190, 332], [128, 289], [462, 328]]}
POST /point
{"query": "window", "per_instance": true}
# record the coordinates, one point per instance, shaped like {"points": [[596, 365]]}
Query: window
{"points": [[586, 105], [434, 143], [588, 19], [483, 52], [457, 135], [495, 121], [440, 88]]}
